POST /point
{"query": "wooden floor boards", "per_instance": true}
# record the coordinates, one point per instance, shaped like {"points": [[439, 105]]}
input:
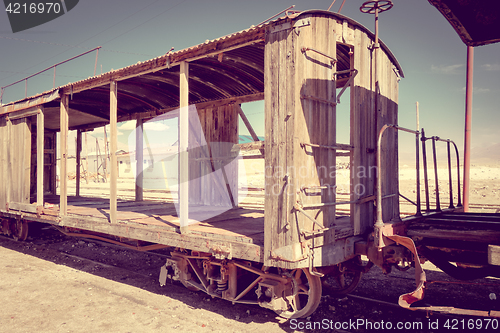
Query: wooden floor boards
{"points": [[238, 224]]}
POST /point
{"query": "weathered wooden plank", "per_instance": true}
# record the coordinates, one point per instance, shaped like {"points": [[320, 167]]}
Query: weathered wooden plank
{"points": [[183, 173], [15, 162], [63, 148], [22, 207], [198, 156], [493, 254], [139, 157], [53, 161], [113, 109], [234, 249], [26, 149], [40, 140], [78, 160], [481, 236], [30, 103], [33, 111], [270, 79], [199, 106], [20, 160], [363, 134], [3, 162]]}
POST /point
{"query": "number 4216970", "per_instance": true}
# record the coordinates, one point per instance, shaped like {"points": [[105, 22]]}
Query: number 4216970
{"points": [[33, 8]]}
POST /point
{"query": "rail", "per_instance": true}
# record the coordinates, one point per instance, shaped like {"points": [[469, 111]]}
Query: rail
{"points": [[46, 69], [450, 178], [379, 219]]}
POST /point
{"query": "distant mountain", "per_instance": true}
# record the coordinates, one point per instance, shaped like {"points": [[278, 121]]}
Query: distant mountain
{"points": [[486, 154], [248, 138]]}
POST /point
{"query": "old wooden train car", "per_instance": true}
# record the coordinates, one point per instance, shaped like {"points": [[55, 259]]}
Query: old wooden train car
{"points": [[277, 255]]}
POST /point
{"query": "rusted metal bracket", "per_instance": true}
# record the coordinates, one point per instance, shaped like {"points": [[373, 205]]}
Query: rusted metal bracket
{"points": [[332, 59], [301, 23], [221, 251], [408, 299], [310, 255], [353, 72], [338, 146]]}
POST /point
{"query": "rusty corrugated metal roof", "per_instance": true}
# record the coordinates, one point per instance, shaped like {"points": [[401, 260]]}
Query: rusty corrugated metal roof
{"points": [[231, 66]]}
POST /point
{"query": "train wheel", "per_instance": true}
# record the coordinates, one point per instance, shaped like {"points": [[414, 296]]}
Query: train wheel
{"points": [[306, 296], [343, 280], [19, 230]]}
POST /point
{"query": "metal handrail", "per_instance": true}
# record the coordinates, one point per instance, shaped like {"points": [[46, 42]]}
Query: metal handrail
{"points": [[379, 221], [46, 69], [450, 178]]}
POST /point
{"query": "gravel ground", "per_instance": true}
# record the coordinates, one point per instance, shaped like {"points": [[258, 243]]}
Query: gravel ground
{"points": [[53, 283]]}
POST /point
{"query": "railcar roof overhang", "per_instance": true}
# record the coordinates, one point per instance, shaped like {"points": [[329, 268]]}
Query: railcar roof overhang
{"points": [[476, 22], [227, 68]]}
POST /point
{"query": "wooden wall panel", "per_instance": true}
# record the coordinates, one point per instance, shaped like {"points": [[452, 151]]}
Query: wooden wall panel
{"points": [[19, 161], [363, 164], [40, 169], [279, 56], [4, 178], [211, 138], [389, 115], [366, 123], [295, 81], [316, 121]]}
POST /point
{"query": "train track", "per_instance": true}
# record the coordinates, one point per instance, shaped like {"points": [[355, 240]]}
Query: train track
{"points": [[375, 298], [255, 199]]}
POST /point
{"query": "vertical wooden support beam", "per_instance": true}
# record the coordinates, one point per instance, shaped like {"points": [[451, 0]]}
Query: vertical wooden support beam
{"points": [[4, 161], [8, 165], [86, 160], [63, 148], [78, 160], [40, 138], [113, 109], [139, 158], [53, 163], [183, 147]]}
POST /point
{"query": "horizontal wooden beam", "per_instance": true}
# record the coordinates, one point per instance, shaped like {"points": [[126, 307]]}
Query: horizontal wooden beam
{"points": [[257, 145], [22, 207], [88, 127], [232, 100], [33, 111], [31, 102], [170, 60]]}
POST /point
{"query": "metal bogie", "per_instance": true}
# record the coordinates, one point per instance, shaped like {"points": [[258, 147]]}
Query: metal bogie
{"points": [[291, 294], [17, 228], [343, 278]]}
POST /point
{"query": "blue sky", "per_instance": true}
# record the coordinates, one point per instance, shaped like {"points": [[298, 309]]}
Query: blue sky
{"points": [[429, 50]]}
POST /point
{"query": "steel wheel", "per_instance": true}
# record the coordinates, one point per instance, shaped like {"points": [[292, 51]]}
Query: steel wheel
{"points": [[342, 281], [306, 296], [19, 230]]}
